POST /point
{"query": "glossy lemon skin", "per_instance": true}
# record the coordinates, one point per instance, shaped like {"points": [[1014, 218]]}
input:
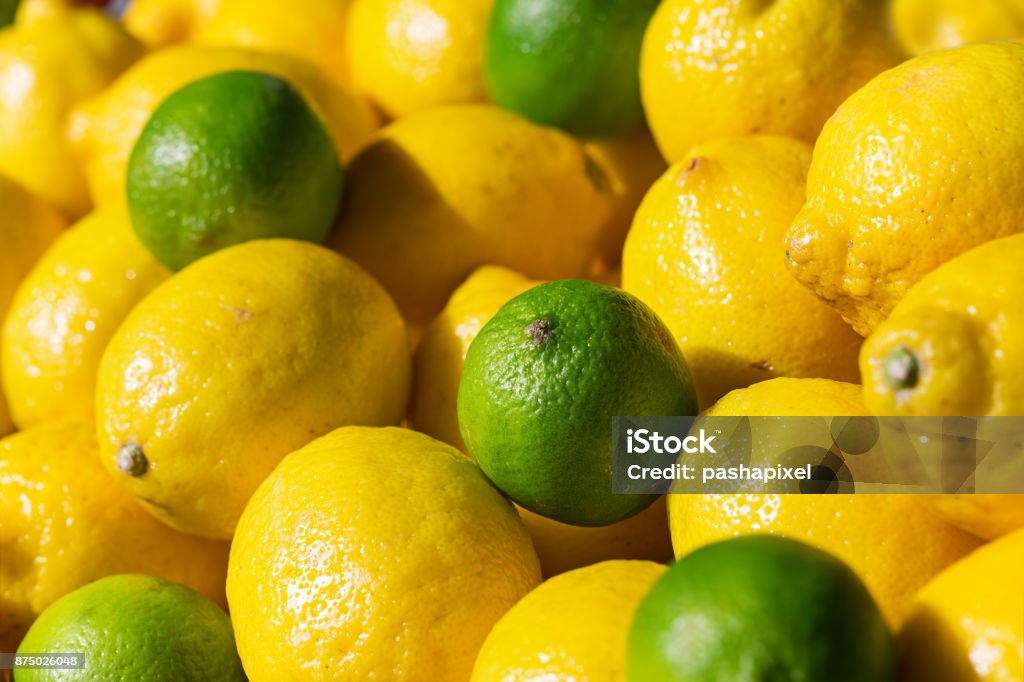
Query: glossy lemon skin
{"points": [[53, 57], [65, 523], [159, 23], [66, 311], [721, 68], [926, 25], [573, 627], [374, 552], [103, 130], [893, 188], [237, 360], [703, 251]]}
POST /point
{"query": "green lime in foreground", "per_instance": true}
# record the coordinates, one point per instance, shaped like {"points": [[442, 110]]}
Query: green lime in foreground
{"points": [[573, 64], [759, 608], [541, 383], [135, 627], [230, 158]]}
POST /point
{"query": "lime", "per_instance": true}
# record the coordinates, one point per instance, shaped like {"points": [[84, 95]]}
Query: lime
{"points": [[135, 627], [761, 608], [232, 157], [8, 8], [573, 64], [541, 383]]}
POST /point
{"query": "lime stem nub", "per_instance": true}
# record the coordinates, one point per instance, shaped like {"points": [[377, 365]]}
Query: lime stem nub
{"points": [[539, 331], [901, 368], [132, 460]]}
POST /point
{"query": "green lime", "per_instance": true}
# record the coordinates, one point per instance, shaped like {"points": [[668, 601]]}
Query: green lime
{"points": [[135, 627], [574, 64], [229, 158], [541, 383], [8, 8], [760, 608]]}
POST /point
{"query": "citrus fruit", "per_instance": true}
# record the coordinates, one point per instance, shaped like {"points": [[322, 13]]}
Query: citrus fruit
{"points": [[723, 68], [136, 627], [892, 192], [572, 627], [987, 516], [967, 625], [64, 314], [65, 523], [103, 129], [8, 8], [703, 252], [541, 383], [926, 25], [408, 55], [159, 23], [374, 551], [197, 184], [52, 57], [236, 361], [572, 64], [759, 608]]}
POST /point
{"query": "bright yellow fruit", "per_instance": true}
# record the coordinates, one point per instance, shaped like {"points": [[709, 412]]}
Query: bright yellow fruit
{"points": [[896, 543], [722, 68], [408, 55], [53, 57], [573, 627], [926, 25], [27, 228], [893, 189], [64, 314], [987, 516], [103, 130], [705, 252], [65, 523], [374, 552], [237, 360], [444, 191], [967, 625], [158, 23]]}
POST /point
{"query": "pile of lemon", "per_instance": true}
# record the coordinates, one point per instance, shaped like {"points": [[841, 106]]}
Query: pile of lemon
{"points": [[315, 316]]}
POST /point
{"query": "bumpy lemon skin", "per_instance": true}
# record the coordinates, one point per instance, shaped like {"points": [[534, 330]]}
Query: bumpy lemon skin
{"points": [[237, 360], [926, 25], [374, 552], [893, 189]]}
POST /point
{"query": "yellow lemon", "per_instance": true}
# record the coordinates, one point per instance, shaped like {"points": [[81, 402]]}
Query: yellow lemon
{"points": [[65, 523], [719, 68], [444, 191], [54, 56], [987, 516], [158, 23], [65, 313], [926, 25], [573, 627], [27, 228], [235, 361], [104, 129], [893, 188], [896, 543], [408, 55], [374, 552], [704, 252], [967, 625]]}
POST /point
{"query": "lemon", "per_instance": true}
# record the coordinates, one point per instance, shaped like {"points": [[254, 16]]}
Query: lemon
{"points": [[197, 184], [64, 314], [760, 608], [53, 57], [703, 252], [987, 516], [64, 523], [237, 360], [136, 627], [967, 625], [895, 543], [28, 227], [159, 23], [408, 55], [541, 383], [722, 68], [572, 627], [892, 192], [374, 552], [103, 129], [926, 25]]}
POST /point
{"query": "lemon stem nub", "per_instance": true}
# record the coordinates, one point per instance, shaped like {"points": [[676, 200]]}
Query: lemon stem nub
{"points": [[132, 460], [901, 368], [539, 331]]}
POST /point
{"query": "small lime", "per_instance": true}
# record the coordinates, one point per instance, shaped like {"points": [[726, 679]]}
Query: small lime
{"points": [[541, 383], [229, 158]]}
